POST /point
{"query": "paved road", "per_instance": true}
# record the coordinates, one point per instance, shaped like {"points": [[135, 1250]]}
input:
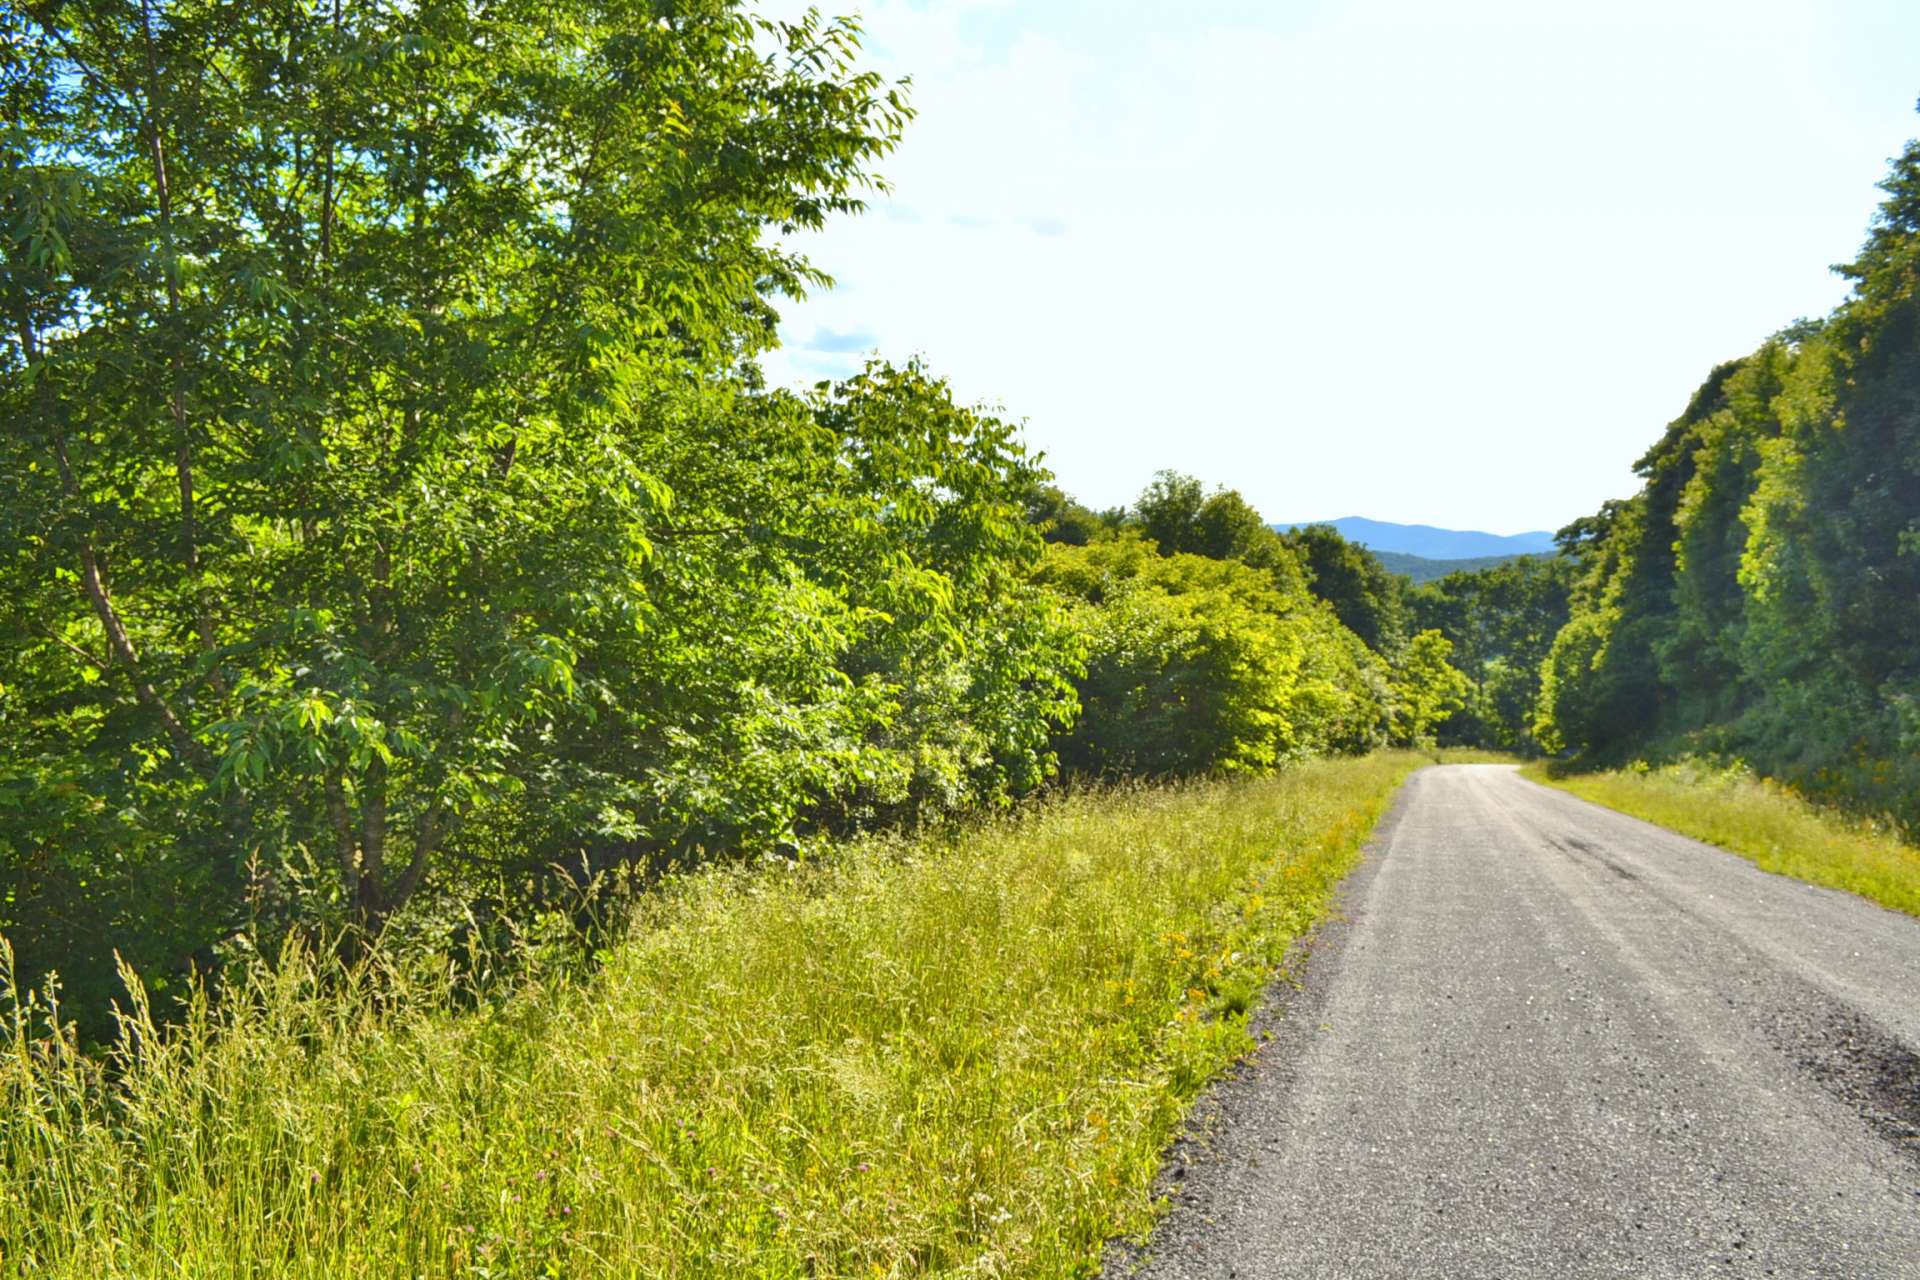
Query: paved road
{"points": [[1554, 1041]]}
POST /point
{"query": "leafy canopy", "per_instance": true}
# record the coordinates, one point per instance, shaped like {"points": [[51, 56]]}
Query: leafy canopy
{"points": [[373, 373]]}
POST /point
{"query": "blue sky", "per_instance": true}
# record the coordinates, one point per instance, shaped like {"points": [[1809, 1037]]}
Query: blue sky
{"points": [[1453, 263]]}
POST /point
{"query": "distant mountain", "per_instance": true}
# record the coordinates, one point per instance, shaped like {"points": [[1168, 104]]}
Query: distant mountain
{"points": [[1429, 543], [1421, 569]]}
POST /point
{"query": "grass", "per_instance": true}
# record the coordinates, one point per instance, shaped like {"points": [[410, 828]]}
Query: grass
{"points": [[1762, 821], [960, 1056], [1471, 755]]}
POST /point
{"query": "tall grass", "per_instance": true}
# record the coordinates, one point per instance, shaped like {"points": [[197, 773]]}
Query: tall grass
{"points": [[1771, 825], [959, 1056], [1471, 755]]}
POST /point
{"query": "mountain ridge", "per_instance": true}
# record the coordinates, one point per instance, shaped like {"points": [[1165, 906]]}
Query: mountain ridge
{"points": [[1423, 570], [1430, 542]]}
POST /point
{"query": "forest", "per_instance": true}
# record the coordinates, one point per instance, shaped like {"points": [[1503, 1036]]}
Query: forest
{"points": [[1758, 600], [400, 535]]}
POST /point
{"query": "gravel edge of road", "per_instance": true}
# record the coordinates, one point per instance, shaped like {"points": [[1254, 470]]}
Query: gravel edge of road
{"points": [[1194, 1166]]}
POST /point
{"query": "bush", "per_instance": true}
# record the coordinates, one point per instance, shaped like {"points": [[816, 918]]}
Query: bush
{"points": [[1197, 665]]}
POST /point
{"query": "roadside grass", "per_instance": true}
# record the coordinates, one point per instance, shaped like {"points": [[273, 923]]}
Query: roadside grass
{"points": [[1471, 755], [952, 1056], [1762, 821]]}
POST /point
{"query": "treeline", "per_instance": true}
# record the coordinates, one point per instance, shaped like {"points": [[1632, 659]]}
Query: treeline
{"points": [[1211, 643], [397, 522], [1759, 598], [1502, 622], [1493, 625], [394, 510]]}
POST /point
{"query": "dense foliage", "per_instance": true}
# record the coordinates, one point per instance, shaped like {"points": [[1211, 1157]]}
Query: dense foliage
{"points": [[1196, 664], [1367, 598], [397, 513], [1760, 596], [1501, 622], [393, 505], [1214, 643]]}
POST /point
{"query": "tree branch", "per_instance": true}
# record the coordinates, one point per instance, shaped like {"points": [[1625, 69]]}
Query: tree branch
{"points": [[95, 582], [428, 833], [98, 664]]}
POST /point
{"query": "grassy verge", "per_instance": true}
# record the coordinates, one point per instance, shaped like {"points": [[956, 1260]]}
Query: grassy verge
{"points": [[1761, 821], [952, 1057], [1471, 755]]}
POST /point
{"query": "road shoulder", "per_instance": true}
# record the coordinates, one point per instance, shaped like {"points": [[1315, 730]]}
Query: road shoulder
{"points": [[1207, 1164]]}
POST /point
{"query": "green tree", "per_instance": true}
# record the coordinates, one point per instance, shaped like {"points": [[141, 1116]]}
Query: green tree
{"points": [[1060, 519], [336, 336], [1168, 510], [1759, 596], [1427, 687], [1181, 518], [1228, 528], [1197, 665], [838, 629], [1605, 687], [1349, 577], [1702, 655], [1501, 622]]}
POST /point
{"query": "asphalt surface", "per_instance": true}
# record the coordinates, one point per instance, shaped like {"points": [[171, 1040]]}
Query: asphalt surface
{"points": [[1545, 1039]]}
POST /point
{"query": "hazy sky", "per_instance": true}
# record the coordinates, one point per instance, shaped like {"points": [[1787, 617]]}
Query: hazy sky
{"points": [[1453, 263]]}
